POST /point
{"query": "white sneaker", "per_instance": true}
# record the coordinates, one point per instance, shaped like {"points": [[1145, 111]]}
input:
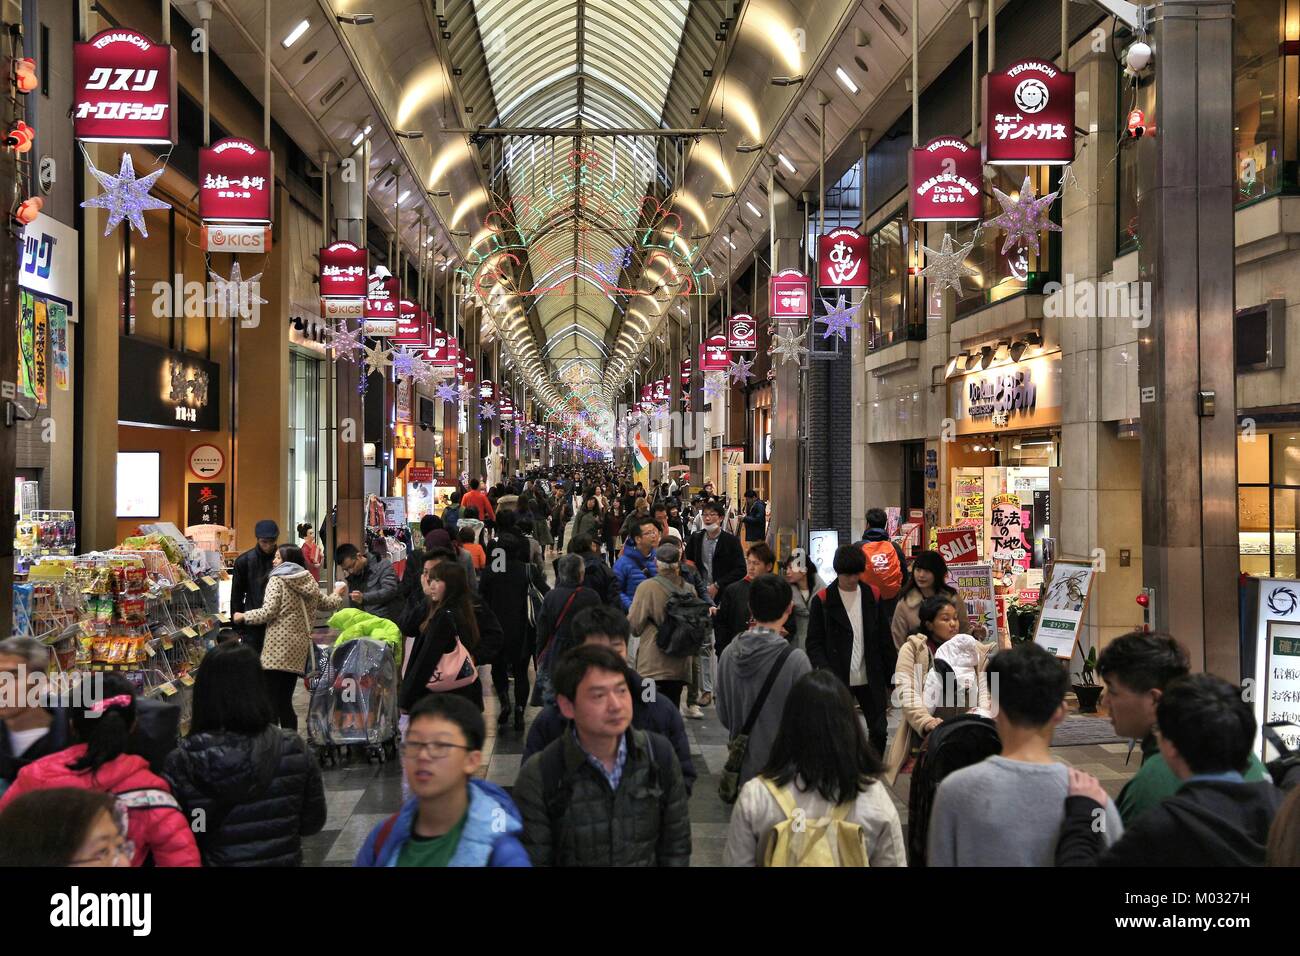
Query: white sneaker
{"points": [[693, 712]]}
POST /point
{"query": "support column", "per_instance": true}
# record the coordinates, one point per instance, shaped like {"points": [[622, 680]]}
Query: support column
{"points": [[1189, 462], [785, 506]]}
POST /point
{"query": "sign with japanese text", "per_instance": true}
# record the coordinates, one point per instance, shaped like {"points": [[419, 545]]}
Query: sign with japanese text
{"points": [[124, 89], [412, 326], [205, 503], [419, 473], [1065, 601], [49, 262], [343, 271], [945, 182], [742, 333], [1029, 115], [842, 259], [236, 181], [974, 584], [441, 351], [790, 295], [714, 356], [167, 389], [382, 297], [487, 391]]}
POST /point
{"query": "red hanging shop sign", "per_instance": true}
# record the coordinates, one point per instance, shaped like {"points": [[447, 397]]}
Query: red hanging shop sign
{"points": [[842, 259], [742, 333], [714, 356], [412, 326], [124, 89], [235, 182], [1029, 115], [791, 295], [381, 305], [945, 182], [343, 268]]}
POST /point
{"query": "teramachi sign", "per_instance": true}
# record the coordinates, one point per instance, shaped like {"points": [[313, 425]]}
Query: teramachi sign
{"points": [[742, 333], [1029, 115], [124, 89], [842, 259], [235, 182], [945, 179]]}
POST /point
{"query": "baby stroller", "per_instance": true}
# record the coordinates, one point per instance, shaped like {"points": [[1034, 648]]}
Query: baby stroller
{"points": [[960, 741], [354, 703]]}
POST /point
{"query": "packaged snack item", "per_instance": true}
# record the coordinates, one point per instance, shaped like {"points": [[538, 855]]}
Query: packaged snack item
{"points": [[137, 581], [118, 579], [103, 607], [131, 610], [23, 595], [85, 649], [99, 652]]}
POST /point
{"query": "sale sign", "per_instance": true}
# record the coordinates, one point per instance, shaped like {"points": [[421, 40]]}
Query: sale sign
{"points": [[714, 356], [742, 333], [1029, 115], [842, 259], [343, 269], [790, 295], [945, 182], [124, 89], [235, 182], [958, 545]]}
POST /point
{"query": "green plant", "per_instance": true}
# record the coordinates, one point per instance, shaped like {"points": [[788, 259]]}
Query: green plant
{"points": [[1086, 672]]}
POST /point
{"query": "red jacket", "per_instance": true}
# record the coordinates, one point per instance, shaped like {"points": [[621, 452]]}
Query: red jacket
{"points": [[477, 499], [161, 829]]}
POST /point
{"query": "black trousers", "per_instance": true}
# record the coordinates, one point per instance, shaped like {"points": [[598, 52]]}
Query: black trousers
{"points": [[876, 716], [512, 663], [279, 688], [671, 691]]}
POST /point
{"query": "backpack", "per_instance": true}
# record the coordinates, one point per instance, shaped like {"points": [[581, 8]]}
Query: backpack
{"points": [[884, 573], [828, 841], [686, 623], [961, 742]]}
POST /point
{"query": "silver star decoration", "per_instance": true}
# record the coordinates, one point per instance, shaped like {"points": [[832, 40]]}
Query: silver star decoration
{"points": [[423, 372], [487, 411], [345, 342], [377, 359], [740, 371], [447, 393], [947, 266], [838, 319], [125, 197], [466, 394], [1024, 218], [789, 348], [235, 296], [713, 384], [403, 362]]}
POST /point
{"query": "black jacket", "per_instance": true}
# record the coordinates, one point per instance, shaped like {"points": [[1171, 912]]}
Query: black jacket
{"points": [[56, 738], [259, 795], [656, 715], [1206, 823], [439, 638], [248, 590], [598, 577], [506, 592], [755, 522], [733, 617], [553, 612], [728, 559], [830, 639], [645, 822]]}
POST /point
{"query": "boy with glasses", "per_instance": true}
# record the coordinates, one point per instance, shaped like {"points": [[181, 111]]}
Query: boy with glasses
{"points": [[453, 819]]}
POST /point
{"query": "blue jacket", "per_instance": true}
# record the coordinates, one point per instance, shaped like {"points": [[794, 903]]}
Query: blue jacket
{"points": [[480, 843], [630, 570]]}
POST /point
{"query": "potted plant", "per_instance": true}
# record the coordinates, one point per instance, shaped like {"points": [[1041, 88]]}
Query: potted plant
{"points": [[1087, 690]]}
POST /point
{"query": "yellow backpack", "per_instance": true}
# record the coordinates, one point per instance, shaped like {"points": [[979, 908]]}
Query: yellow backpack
{"points": [[799, 841]]}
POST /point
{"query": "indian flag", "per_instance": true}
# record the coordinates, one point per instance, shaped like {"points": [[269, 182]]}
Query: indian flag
{"points": [[641, 457]]}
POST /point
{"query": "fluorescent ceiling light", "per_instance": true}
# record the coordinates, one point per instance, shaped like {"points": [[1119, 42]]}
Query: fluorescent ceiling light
{"points": [[356, 140], [402, 198], [729, 242], [846, 80], [753, 209], [786, 163], [295, 34]]}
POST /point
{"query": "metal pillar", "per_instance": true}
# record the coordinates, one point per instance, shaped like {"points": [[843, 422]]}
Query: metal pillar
{"points": [[788, 469], [1185, 355]]}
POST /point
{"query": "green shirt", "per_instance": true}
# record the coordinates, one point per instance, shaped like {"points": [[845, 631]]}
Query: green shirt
{"points": [[432, 851], [1154, 781]]}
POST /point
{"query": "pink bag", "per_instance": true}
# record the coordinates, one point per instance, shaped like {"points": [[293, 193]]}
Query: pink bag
{"points": [[455, 669]]}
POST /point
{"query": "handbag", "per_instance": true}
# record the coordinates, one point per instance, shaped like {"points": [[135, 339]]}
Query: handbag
{"points": [[455, 669], [542, 684], [738, 746]]}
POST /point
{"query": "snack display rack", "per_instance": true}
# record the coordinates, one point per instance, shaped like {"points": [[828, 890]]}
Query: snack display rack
{"points": [[43, 533]]}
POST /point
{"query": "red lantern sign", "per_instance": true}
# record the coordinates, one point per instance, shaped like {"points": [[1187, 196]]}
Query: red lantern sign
{"points": [[742, 333], [842, 259], [235, 182], [124, 89], [790, 295], [1029, 115], [343, 270], [381, 305], [714, 356], [945, 179]]}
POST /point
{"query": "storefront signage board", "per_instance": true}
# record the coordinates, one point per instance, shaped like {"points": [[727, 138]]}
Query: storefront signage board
{"points": [[790, 295], [343, 271], [742, 333], [164, 389], [205, 503], [1029, 115], [1065, 602], [958, 545], [842, 259], [48, 261], [714, 356], [1276, 675], [946, 182], [232, 237], [1016, 395], [207, 461], [974, 582], [124, 89], [236, 182]]}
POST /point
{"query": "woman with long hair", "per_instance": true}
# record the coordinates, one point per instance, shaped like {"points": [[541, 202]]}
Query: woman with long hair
{"points": [[613, 524], [258, 787], [929, 577], [100, 760], [311, 549], [805, 583], [63, 827], [449, 620], [289, 612], [820, 761], [506, 586]]}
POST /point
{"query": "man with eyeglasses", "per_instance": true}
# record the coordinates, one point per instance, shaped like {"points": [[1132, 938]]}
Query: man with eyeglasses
{"points": [[453, 819]]}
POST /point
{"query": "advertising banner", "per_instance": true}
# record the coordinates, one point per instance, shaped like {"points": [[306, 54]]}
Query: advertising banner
{"points": [[1065, 601], [974, 583], [945, 182], [1029, 115], [842, 259], [236, 180], [790, 295], [714, 356], [124, 89]]}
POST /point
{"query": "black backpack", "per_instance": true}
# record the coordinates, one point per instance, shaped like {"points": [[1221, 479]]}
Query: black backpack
{"points": [[960, 742], [686, 623]]}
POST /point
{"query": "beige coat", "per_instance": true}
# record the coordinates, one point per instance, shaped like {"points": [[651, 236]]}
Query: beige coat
{"points": [[645, 615], [907, 617], [914, 662], [288, 610]]}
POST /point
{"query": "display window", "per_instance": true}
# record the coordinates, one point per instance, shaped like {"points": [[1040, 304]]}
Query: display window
{"points": [[1268, 499]]}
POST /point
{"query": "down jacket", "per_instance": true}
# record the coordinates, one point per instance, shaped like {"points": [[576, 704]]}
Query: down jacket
{"points": [[156, 825], [259, 795], [630, 570], [584, 823], [288, 610]]}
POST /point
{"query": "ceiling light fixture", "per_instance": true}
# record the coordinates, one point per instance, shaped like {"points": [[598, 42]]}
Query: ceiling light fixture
{"points": [[786, 163], [846, 80], [440, 193], [410, 133], [357, 19], [724, 195], [402, 198], [986, 356], [786, 80], [753, 209], [295, 34]]}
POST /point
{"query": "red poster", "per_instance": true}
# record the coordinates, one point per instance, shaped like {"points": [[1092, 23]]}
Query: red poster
{"points": [[945, 182], [235, 182], [1029, 115], [742, 333], [842, 259], [958, 545], [790, 295], [343, 271], [713, 354], [660, 390], [124, 89]]}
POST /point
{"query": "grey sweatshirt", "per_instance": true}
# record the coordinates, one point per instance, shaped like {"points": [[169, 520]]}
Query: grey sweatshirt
{"points": [[742, 670]]}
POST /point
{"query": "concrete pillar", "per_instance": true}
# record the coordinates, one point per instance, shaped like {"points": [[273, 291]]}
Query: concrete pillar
{"points": [[1189, 462], [786, 506]]}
